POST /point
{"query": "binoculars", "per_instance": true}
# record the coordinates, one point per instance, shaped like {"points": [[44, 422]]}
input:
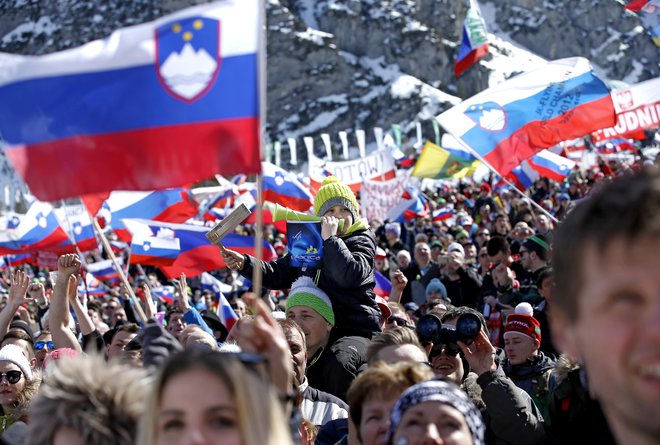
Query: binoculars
{"points": [[430, 329]]}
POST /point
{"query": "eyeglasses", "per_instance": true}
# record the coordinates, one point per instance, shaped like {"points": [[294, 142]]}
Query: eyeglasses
{"points": [[42, 344], [12, 376], [483, 234]]}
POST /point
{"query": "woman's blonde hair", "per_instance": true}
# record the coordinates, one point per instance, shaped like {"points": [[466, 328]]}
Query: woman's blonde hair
{"points": [[260, 414]]}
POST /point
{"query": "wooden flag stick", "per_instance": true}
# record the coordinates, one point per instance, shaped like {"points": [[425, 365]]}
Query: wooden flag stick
{"points": [[119, 270]]}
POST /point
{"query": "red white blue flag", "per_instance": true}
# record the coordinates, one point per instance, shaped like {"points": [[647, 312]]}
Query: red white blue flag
{"points": [[383, 286], [38, 229], [223, 309], [514, 120], [474, 44], [156, 105], [170, 205], [105, 271], [551, 165], [282, 187], [197, 254]]}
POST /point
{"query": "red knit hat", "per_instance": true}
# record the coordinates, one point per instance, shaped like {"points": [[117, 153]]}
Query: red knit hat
{"points": [[525, 325]]}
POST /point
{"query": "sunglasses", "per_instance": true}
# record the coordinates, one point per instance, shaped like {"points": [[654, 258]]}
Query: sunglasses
{"points": [[42, 344], [450, 350], [12, 376], [397, 320]]}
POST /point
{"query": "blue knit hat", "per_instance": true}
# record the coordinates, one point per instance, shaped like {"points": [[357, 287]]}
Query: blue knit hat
{"points": [[436, 286]]}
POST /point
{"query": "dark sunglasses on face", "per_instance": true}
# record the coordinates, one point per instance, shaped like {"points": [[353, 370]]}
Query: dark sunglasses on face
{"points": [[42, 344], [12, 376], [436, 350], [397, 320]]}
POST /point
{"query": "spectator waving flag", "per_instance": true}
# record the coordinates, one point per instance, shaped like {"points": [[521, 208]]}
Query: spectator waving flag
{"points": [[551, 165], [282, 187], [474, 44], [512, 121], [158, 105]]}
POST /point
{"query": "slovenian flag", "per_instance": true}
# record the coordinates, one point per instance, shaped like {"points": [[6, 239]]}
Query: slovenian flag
{"points": [[551, 165], [38, 229], [105, 271], [514, 120], [197, 254], [156, 105], [474, 44], [282, 187], [169, 205]]}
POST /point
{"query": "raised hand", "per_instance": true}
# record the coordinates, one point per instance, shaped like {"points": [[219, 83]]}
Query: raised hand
{"points": [[68, 264], [480, 355], [399, 280], [38, 292], [19, 283], [150, 304], [183, 294]]}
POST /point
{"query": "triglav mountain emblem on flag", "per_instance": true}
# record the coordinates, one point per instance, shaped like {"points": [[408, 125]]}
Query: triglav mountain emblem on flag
{"points": [[488, 115], [188, 56]]}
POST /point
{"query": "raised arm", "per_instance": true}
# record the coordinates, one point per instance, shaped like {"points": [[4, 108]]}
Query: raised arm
{"points": [[68, 266], [18, 285]]}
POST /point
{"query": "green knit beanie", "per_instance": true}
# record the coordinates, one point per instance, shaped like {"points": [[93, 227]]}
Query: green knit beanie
{"points": [[305, 293], [333, 193]]}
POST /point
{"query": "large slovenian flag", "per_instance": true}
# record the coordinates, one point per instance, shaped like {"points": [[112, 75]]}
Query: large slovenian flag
{"points": [[511, 122], [282, 187], [152, 247], [474, 44], [197, 254], [170, 205], [38, 229], [551, 165], [157, 105]]}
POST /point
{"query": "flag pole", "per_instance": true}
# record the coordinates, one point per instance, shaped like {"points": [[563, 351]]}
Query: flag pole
{"points": [[258, 236], [119, 270], [509, 183]]}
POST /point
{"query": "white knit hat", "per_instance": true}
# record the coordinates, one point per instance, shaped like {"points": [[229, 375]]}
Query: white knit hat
{"points": [[14, 354]]}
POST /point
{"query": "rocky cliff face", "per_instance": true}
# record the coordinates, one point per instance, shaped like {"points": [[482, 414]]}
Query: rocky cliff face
{"points": [[344, 64]]}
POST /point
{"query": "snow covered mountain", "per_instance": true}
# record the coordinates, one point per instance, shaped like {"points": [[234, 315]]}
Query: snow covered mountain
{"points": [[338, 65]]}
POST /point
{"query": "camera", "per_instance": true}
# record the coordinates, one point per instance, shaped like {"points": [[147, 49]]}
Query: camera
{"points": [[431, 329]]}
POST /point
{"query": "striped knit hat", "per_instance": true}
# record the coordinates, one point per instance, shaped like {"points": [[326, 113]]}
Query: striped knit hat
{"points": [[305, 293]]}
